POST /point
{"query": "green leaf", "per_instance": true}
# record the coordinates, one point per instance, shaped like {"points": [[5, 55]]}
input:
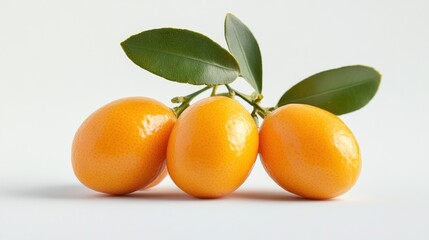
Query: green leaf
{"points": [[245, 49], [182, 56], [339, 91]]}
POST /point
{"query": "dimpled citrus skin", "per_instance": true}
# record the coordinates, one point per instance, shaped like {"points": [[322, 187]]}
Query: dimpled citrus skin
{"points": [[212, 147], [309, 151], [122, 146]]}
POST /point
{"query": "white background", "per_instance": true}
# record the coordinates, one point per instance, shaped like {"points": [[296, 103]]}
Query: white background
{"points": [[61, 60]]}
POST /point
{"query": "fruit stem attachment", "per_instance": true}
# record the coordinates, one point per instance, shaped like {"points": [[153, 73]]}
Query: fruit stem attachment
{"points": [[214, 90], [186, 100], [257, 109]]}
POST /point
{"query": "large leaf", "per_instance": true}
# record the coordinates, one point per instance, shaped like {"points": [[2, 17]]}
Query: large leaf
{"points": [[245, 49], [339, 91], [182, 56]]}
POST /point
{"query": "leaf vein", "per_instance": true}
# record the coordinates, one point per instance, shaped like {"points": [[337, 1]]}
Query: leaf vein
{"points": [[327, 92], [184, 56], [245, 56]]}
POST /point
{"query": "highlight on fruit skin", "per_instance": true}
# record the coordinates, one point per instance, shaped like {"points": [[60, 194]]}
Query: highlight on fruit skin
{"points": [[212, 148], [309, 151], [121, 147]]}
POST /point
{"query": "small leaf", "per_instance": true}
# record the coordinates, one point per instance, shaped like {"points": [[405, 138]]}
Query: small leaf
{"points": [[339, 91], [245, 48], [182, 56]]}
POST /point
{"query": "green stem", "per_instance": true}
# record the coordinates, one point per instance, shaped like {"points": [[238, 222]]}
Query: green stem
{"points": [[187, 99], [225, 94], [214, 90], [255, 103]]}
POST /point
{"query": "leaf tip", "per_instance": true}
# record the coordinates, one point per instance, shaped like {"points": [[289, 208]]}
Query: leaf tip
{"points": [[124, 43], [375, 71], [229, 15]]}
